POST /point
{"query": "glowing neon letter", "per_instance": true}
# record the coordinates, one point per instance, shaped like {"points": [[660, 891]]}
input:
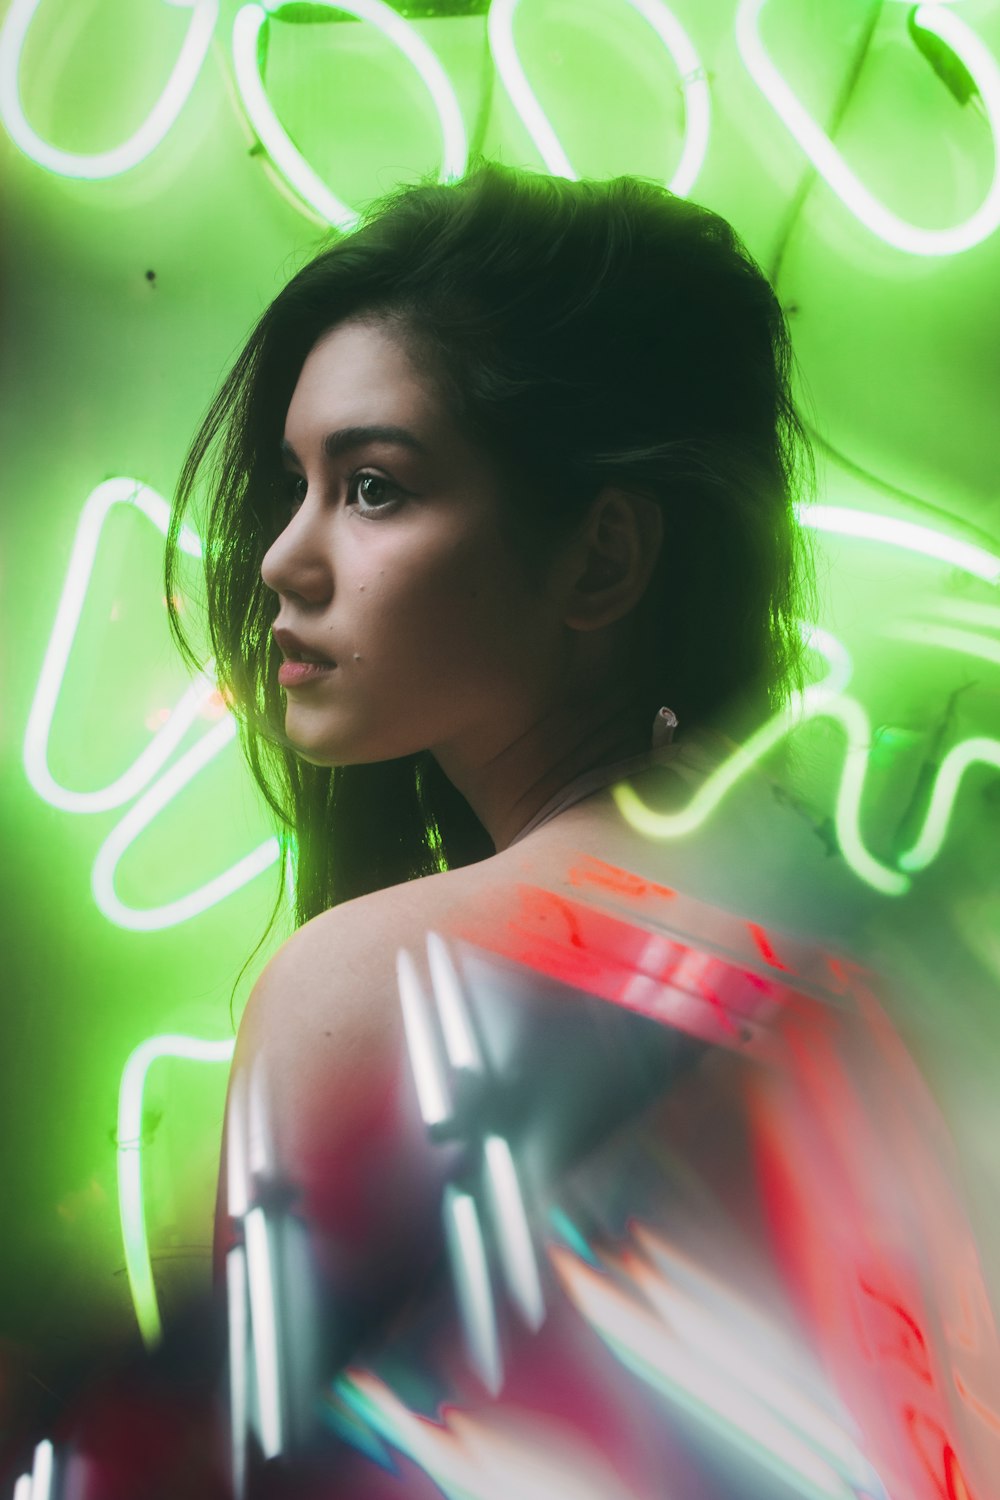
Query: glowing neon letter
{"points": [[275, 140], [97, 507], [151, 132], [815, 702], [677, 43], [981, 750], [843, 520], [141, 815], [981, 65], [130, 1201]]}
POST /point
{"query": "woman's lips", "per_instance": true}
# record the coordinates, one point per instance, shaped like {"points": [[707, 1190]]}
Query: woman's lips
{"points": [[298, 673]]}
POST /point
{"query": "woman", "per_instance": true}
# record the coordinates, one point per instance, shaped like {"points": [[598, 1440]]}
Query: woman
{"points": [[501, 490]]}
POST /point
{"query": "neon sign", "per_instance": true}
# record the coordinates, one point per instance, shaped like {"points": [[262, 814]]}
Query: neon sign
{"points": [[974, 55], [827, 700], [851, 716], [678, 46], [137, 780], [151, 789], [139, 817], [97, 507], [13, 35], [934, 18], [130, 1178], [250, 22], [842, 520]]}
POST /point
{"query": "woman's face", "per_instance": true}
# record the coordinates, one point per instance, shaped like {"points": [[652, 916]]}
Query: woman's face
{"points": [[395, 567]]}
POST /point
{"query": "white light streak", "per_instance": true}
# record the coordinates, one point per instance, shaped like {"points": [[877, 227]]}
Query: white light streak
{"points": [[471, 1278], [456, 1023], [513, 1232], [426, 1059]]}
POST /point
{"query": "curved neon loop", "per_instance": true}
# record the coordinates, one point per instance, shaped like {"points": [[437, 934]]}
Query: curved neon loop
{"points": [[131, 1212], [819, 701], [907, 535], [96, 509], [816, 702], [151, 132], [926, 633], [939, 20], [839, 658], [976, 751], [979, 751], [500, 24], [278, 144], [139, 817]]}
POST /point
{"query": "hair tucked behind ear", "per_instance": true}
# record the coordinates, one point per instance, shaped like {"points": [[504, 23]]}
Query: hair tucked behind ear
{"points": [[584, 334]]}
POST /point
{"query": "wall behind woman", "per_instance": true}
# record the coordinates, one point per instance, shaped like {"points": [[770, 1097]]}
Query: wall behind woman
{"points": [[139, 869]]}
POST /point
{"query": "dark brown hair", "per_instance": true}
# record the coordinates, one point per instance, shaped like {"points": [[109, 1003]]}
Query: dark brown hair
{"points": [[584, 333]]}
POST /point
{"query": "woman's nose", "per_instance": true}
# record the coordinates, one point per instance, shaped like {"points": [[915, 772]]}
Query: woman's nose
{"points": [[297, 562]]}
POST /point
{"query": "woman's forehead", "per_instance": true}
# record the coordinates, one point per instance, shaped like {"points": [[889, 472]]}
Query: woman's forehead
{"points": [[365, 381], [360, 371]]}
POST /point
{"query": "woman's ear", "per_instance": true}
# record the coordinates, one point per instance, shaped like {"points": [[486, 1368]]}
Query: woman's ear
{"points": [[613, 558]]}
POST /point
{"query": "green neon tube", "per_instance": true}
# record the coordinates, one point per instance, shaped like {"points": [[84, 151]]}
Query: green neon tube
{"points": [[980, 750], [131, 1209], [841, 667], [970, 613], [139, 817], [151, 132], [979, 61], [907, 535], [286, 157], [694, 82], [927, 633], [815, 702], [820, 701], [97, 507]]}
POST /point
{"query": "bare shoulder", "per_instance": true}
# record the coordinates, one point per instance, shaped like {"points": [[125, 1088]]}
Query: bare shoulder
{"points": [[325, 1011], [322, 1044]]}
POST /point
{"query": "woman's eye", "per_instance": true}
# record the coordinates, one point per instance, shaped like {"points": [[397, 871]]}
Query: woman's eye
{"points": [[293, 488], [372, 492]]}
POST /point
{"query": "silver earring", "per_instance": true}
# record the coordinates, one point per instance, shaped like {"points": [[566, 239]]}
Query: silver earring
{"points": [[664, 725]]}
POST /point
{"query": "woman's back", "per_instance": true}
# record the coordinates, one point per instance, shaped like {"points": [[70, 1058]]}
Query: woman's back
{"points": [[638, 1051]]}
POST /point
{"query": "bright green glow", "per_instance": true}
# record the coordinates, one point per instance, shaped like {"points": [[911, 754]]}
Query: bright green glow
{"points": [[907, 535], [982, 66], [99, 503], [816, 702], [924, 633], [272, 135], [139, 817], [138, 776], [986, 616], [677, 43], [161, 117], [841, 666], [130, 1201], [952, 769], [823, 700]]}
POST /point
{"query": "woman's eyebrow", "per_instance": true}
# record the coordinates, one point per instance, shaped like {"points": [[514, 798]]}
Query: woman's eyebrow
{"points": [[347, 438]]}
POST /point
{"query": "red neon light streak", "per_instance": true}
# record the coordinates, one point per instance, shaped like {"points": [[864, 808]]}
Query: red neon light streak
{"points": [[941, 1462], [763, 945], [604, 877], [912, 1348], [983, 1412]]}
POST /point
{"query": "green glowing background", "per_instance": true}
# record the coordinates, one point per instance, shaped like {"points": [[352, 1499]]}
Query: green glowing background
{"points": [[127, 296]]}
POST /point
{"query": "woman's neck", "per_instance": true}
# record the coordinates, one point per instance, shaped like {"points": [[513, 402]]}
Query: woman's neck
{"points": [[511, 781]]}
